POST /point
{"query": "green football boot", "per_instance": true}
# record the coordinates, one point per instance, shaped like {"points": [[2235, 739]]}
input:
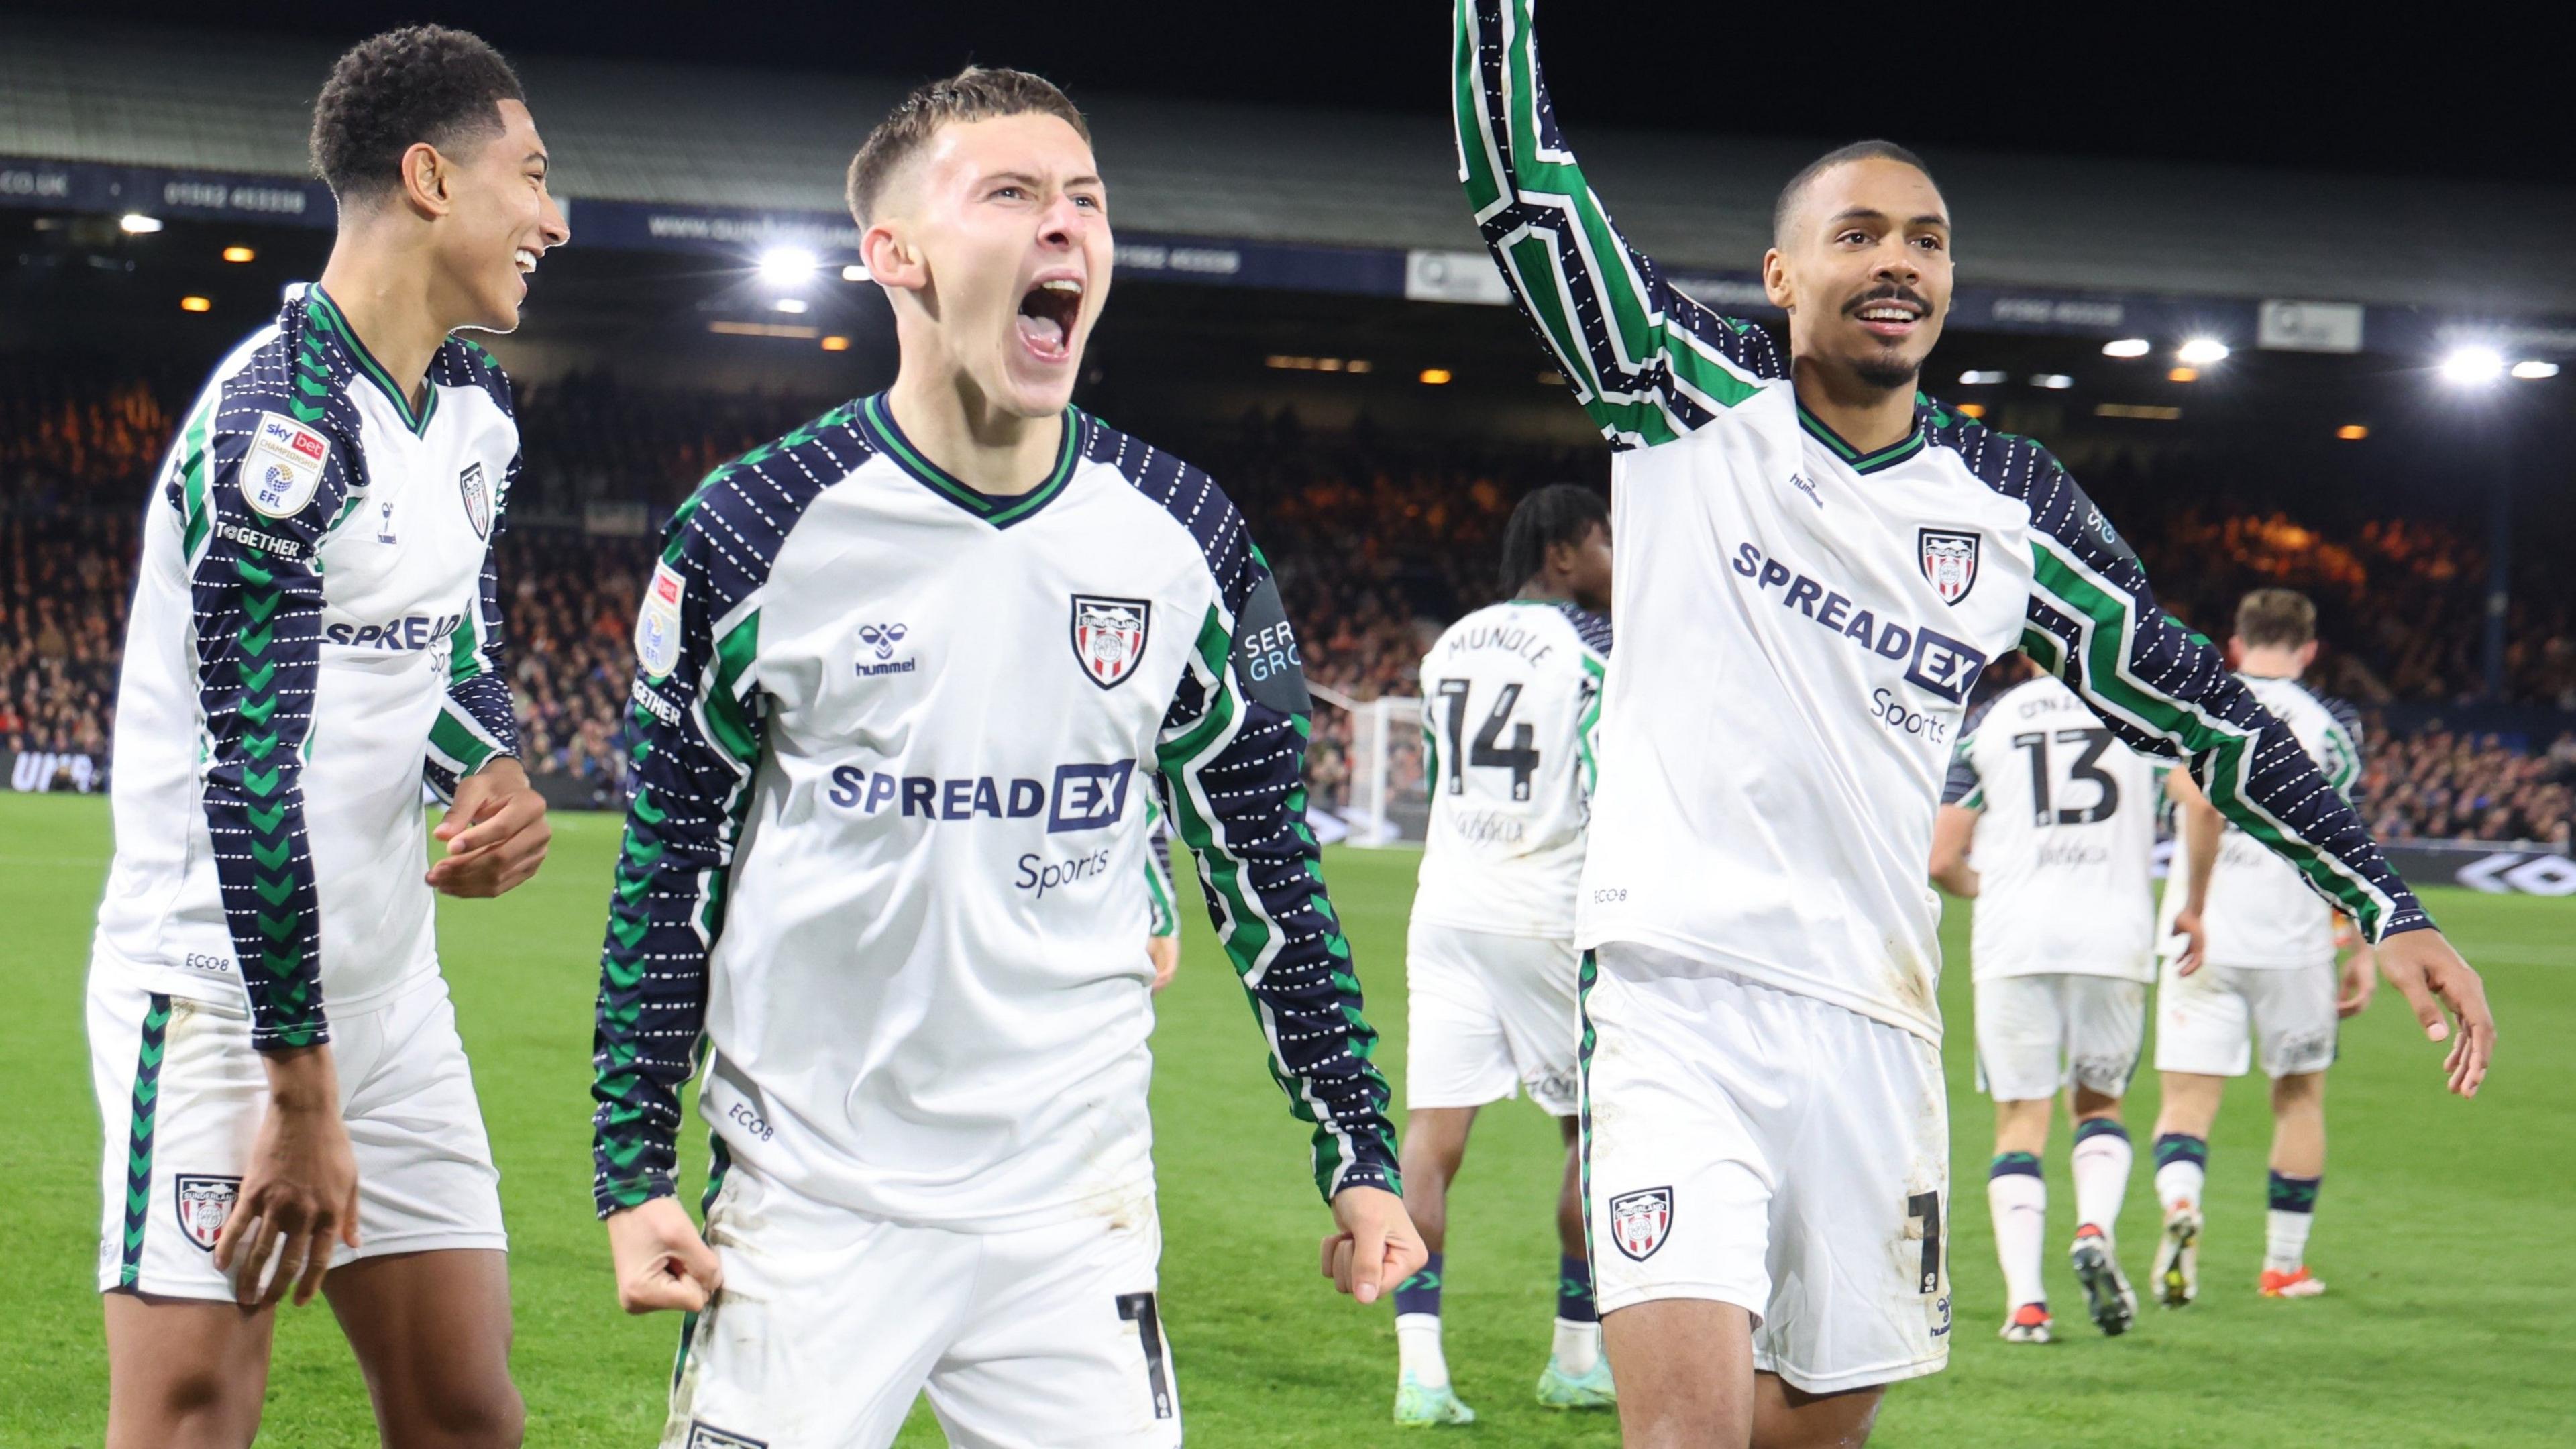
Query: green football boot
{"points": [[1417, 1404], [1558, 1389]]}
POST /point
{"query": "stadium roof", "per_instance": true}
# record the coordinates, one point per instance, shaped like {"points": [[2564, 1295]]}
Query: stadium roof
{"points": [[779, 140]]}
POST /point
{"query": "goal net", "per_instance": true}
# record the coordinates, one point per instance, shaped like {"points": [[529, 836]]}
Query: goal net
{"points": [[1387, 804]]}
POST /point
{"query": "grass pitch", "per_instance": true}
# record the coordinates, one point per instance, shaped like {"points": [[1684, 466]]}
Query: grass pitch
{"points": [[2446, 1228]]}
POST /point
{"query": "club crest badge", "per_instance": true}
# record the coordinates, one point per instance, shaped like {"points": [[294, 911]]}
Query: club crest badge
{"points": [[1640, 1221], [1949, 559], [204, 1202], [1109, 637], [478, 499], [657, 624]]}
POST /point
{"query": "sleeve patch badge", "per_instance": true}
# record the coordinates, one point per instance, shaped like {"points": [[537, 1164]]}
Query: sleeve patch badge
{"points": [[283, 468], [657, 625]]}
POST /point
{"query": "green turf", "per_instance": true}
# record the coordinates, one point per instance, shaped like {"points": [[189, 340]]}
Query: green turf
{"points": [[2445, 1228]]}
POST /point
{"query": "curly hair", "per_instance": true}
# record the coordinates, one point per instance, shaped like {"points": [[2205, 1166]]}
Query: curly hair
{"points": [[973, 94], [392, 91], [1557, 513]]}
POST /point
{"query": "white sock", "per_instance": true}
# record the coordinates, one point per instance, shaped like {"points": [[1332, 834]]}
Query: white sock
{"points": [[2180, 1183], [2101, 1180], [1417, 1348], [2285, 1240], [2019, 1202], [1577, 1347]]}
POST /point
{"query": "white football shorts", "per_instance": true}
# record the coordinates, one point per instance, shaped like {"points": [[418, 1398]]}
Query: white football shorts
{"points": [[1486, 1015], [181, 1094], [831, 1322], [1773, 1151], [2038, 1034], [2210, 1021]]}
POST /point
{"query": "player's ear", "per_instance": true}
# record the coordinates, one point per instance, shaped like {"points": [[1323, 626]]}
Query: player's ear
{"points": [[1775, 281], [426, 182], [892, 261]]}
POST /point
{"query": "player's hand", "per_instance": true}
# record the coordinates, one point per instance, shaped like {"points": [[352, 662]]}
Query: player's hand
{"points": [[2195, 942], [2430, 975], [2360, 982], [1377, 1246], [1166, 954], [496, 832], [299, 1195], [662, 1263]]}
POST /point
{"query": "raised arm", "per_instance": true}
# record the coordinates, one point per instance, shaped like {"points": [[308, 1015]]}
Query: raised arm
{"points": [[1647, 362], [257, 489], [697, 715], [1231, 770]]}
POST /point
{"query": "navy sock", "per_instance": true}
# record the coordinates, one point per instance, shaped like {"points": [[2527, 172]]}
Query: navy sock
{"points": [[2009, 1163], [2092, 1127], [1421, 1292], [2182, 1147], [2295, 1194], [1574, 1290]]}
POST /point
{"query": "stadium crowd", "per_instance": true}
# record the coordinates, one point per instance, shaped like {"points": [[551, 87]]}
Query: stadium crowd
{"points": [[1375, 543]]}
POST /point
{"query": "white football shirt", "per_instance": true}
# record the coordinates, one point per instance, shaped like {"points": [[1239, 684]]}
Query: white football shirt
{"points": [[2065, 840], [2256, 913], [886, 856], [1801, 621], [1511, 701], [315, 631]]}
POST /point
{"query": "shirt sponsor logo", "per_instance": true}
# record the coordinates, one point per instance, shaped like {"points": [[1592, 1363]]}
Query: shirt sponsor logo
{"points": [[1040, 875], [1949, 560], [478, 499], [1265, 652], [1109, 637], [283, 467], [1077, 797], [657, 624], [413, 631], [203, 1202], [1933, 660]]}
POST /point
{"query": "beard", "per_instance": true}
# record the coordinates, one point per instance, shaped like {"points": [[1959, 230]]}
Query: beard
{"points": [[1887, 372]]}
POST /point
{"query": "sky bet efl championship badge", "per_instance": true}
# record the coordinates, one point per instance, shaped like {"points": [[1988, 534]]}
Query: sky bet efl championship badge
{"points": [[1949, 559], [478, 499], [1109, 637], [204, 1202], [657, 624], [1639, 1221], [283, 466]]}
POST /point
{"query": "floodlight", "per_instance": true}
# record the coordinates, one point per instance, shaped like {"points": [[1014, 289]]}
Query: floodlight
{"points": [[2534, 371], [2127, 347], [2053, 381], [1980, 377], [135, 223], [787, 266], [2201, 352], [2473, 365]]}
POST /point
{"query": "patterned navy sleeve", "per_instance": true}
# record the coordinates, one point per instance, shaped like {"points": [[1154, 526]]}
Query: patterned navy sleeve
{"points": [[2166, 691], [700, 723], [1962, 787], [1230, 769], [477, 722], [258, 479]]}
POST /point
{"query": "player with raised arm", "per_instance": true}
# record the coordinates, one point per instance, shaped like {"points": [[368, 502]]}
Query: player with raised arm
{"points": [[1815, 562], [1512, 699], [316, 630], [906, 674], [2048, 822], [2249, 960]]}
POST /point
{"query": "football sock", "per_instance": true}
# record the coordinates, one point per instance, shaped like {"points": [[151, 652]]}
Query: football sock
{"points": [[1577, 1347], [2294, 1211], [1417, 1326], [2018, 1198], [2102, 1158], [1578, 1327], [1574, 1290], [2182, 1168]]}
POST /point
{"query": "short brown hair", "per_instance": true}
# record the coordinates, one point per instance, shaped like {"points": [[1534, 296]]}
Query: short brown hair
{"points": [[2276, 618], [973, 94]]}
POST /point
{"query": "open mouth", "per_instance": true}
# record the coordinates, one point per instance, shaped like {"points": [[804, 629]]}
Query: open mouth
{"points": [[525, 259], [1890, 315], [1047, 314]]}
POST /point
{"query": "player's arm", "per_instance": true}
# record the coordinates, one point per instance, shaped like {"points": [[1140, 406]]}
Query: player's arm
{"points": [[495, 831], [2166, 691], [2200, 828], [1647, 362], [1162, 915], [1954, 828], [700, 728], [258, 483], [1230, 764]]}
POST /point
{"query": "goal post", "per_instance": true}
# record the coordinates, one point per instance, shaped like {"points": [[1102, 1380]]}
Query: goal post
{"points": [[1388, 805]]}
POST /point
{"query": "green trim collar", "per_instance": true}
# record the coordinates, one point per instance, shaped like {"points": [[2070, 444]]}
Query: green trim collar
{"points": [[1896, 452], [877, 420], [328, 319]]}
